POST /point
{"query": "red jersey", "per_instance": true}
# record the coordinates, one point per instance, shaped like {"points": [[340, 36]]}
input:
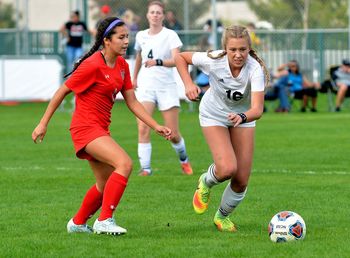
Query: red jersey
{"points": [[95, 86]]}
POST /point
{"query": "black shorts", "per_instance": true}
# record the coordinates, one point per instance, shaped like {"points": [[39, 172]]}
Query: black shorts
{"points": [[310, 92]]}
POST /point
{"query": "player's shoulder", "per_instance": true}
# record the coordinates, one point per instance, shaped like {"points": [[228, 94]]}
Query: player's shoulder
{"points": [[217, 57], [165, 30], [252, 63], [142, 33], [94, 61]]}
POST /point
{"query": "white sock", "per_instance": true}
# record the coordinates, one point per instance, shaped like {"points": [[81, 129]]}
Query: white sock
{"points": [[144, 152], [230, 200], [210, 177], [180, 149]]}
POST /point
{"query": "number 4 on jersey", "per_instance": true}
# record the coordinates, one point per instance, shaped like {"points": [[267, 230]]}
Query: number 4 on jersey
{"points": [[150, 54]]}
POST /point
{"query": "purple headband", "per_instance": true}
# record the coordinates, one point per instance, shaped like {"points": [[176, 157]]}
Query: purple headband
{"points": [[111, 26]]}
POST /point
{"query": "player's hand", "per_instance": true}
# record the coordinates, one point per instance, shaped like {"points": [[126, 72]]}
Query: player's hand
{"points": [[192, 92], [150, 63], [39, 133], [163, 131], [234, 119]]}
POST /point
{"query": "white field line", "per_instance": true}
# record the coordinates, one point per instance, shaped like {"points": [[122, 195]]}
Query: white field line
{"points": [[36, 168], [306, 172]]}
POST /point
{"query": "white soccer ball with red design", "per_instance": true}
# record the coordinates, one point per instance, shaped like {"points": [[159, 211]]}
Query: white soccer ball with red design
{"points": [[287, 226]]}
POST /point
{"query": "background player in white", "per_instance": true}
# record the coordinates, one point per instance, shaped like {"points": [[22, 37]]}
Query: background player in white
{"points": [[155, 85], [227, 115]]}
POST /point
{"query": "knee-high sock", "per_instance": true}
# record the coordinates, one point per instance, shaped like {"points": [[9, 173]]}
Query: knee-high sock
{"points": [[91, 203], [112, 194], [230, 200], [180, 149], [210, 177], [144, 152]]}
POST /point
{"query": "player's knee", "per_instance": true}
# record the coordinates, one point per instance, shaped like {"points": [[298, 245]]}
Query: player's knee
{"points": [[226, 170], [176, 137], [125, 166], [144, 131]]}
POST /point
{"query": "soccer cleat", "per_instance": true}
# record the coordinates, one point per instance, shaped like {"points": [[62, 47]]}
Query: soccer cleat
{"points": [[74, 228], [108, 227], [224, 223], [201, 196], [186, 168], [144, 173]]}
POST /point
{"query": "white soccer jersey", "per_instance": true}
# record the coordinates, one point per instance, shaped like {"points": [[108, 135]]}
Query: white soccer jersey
{"points": [[227, 94], [157, 46]]}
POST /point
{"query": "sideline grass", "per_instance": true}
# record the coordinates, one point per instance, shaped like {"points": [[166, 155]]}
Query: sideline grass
{"points": [[301, 164]]}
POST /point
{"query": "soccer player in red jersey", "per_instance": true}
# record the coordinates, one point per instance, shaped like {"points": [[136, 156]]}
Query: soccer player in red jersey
{"points": [[95, 80]]}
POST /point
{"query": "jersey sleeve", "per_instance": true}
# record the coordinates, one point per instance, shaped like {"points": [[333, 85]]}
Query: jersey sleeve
{"points": [[202, 61], [257, 79], [127, 78], [137, 45], [82, 78], [175, 41]]}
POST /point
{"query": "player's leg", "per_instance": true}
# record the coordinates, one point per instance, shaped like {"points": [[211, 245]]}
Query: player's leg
{"points": [[242, 139], [144, 148], [225, 165], [70, 58], [93, 198], [169, 104], [171, 120], [106, 150]]}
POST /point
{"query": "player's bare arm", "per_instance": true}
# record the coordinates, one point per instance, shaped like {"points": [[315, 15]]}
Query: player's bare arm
{"points": [[40, 131]]}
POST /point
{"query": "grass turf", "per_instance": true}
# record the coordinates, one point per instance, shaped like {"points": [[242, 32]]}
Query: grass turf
{"points": [[301, 164]]}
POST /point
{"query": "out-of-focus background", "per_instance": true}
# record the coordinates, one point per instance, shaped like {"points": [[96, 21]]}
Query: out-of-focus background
{"points": [[316, 33]]}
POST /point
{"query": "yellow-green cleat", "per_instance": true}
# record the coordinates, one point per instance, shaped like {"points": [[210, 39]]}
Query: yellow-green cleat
{"points": [[201, 196], [224, 223]]}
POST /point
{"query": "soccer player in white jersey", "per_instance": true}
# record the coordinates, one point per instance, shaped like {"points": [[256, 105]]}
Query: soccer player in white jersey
{"points": [[155, 84], [227, 114]]}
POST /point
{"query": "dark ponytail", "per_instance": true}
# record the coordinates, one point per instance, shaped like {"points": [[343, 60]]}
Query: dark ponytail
{"points": [[101, 31]]}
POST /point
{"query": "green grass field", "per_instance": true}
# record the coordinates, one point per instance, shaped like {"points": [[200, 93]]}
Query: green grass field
{"points": [[301, 164]]}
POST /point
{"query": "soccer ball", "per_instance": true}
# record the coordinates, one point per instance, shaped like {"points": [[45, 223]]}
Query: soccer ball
{"points": [[286, 226]]}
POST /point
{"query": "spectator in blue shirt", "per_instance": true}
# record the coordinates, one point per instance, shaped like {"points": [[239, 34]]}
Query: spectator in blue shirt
{"points": [[292, 82]]}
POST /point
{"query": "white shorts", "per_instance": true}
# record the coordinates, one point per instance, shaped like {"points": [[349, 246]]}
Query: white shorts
{"points": [[163, 98], [206, 122]]}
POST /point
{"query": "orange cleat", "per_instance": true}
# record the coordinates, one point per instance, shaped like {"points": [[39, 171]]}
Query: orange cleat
{"points": [[186, 168], [201, 196], [144, 173], [224, 223]]}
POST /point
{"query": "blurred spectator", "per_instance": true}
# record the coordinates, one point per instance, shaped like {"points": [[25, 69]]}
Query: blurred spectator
{"points": [[292, 82], [254, 38], [105, 11], [207, 41], [73, 32], [132, 22], [171, 21], [343, 82]]}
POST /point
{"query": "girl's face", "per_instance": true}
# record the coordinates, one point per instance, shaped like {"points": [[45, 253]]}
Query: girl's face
{"points": [[293, 67], [237, 52], [119, 41], [155, 15]]}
